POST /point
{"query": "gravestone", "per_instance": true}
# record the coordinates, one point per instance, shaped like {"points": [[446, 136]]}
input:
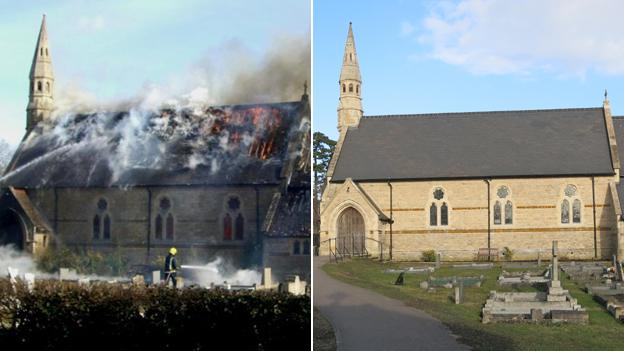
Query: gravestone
{"points": [[555, 292], [155, 277], [30, 281], [400, 279], [438, 259]]}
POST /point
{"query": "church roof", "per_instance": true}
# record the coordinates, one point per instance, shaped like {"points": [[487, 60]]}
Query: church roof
{"points": [[557, 142], [239, 144]]}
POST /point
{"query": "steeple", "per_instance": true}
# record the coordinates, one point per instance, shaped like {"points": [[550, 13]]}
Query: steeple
{"points": [[350, 105], [41, 96]]}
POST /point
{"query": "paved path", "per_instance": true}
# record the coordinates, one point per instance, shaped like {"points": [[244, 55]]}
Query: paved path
{"points": [[364, 320]]}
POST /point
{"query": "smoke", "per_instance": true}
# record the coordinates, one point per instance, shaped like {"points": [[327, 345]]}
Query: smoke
{"points": [[227, 74], [10, 257], [218, 272]]}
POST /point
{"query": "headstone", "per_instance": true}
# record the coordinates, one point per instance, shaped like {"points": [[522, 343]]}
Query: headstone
{"points": [[400, 279], [457, 295], [424, 284], [555, 265], [155, 277], [539, 259], [536, 314], [30, 281], [438, 259], [13, 273]]}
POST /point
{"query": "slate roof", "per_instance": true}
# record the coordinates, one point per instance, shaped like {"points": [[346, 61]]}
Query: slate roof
{"points": [[218, 145], [558, 142]]}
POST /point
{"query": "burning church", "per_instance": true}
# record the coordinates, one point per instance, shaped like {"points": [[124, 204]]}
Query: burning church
{"points": [[223, 181]]}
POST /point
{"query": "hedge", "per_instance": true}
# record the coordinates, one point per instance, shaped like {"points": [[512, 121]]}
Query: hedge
{"points": [[65, 316]]}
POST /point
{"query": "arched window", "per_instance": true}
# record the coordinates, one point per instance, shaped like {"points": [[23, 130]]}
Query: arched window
{"points": [[433, 215], [344, 88], [41, 52], [240, 227], [39, 88], [47, 54], [107, 227], [159, 227], [357, 89], [169, 226], [47, 87], [508, 212], [306, 247], [296, 248], [96, 227], [444, 214], [101, 221], [227, 227], [350, 56], [164, 222], [497, 213], [576, 211], [350, 87], [565, 211]]}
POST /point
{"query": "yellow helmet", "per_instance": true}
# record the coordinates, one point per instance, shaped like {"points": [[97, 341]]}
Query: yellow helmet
{"points": [[173, 251]]}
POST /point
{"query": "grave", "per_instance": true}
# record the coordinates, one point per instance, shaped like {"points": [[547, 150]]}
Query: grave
{"points": [[555, 305], [524, 278], [610, 291]]}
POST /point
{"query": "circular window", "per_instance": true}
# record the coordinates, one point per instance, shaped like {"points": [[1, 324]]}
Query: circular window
{"points": [[165, 204], [102, 205], [438, 194], [502, 192], [234, 203], [570, 190]]}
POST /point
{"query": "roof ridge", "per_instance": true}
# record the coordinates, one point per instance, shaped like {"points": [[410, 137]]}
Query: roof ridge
{"points": [[434, 114]]}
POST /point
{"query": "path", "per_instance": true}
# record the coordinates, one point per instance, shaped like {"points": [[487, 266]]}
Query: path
{"points": [[365, 320]]}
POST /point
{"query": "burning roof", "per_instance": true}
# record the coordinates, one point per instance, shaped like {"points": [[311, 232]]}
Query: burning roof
{"points": [[238, 144]]}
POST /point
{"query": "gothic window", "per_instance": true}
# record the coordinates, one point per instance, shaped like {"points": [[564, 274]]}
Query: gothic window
{"points": [[233, 220], [438, 194], [39, 87], [565, 211], [227, 227], [159, 226], [502, 192], [47, 87], [433, 215], [497, 213], [169, 227], [350, 87], [306, 247], [357, 89], [508, 212], [41, 52], [96, 227], [47, 54], [297, 248], [444, 214], [344, 88], [576, 211], [101, 221], [164, 221], [107, 227], [350, 57]]}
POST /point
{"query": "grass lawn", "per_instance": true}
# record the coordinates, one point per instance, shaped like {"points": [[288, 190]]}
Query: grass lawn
{"points": [[602, 333]]}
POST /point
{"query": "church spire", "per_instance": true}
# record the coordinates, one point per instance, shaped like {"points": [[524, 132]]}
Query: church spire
{"points": [[350, 105], [41, 97]]}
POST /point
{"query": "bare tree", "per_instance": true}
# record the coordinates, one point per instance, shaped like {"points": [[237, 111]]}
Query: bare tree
{"points": [[6, 153]]}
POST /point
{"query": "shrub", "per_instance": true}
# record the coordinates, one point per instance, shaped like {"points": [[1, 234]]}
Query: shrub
{"points": [[429, 256], [62, 316], [508, 253]]}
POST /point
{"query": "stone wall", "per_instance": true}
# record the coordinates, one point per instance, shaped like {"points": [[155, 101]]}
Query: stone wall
{"points": [[198, 219], [280, 256], [536, 217]]}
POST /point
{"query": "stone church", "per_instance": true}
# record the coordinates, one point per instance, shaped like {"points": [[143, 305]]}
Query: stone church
{"points": [[223, 181], [462, 184]]}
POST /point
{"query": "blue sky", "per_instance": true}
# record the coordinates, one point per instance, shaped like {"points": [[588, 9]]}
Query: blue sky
{"points": [[109, 50], [473, 55]]}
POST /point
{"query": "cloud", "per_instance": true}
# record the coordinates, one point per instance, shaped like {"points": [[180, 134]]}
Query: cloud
{"points": [[564, 37], [407, 28]]}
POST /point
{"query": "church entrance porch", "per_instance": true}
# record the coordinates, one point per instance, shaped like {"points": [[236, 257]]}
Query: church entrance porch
{"points": [[350, 229], [11, 229]]}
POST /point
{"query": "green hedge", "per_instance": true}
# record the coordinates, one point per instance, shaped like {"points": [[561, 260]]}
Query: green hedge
{"points": [[62, 316]]}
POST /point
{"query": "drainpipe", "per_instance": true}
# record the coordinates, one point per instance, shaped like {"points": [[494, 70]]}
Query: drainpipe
{"points": [[488, 219], [391, 219], [149, 222], [594, 210]]}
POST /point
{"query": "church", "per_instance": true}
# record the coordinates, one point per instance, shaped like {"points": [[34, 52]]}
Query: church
{"points": [[222, 181], [472, 185]]}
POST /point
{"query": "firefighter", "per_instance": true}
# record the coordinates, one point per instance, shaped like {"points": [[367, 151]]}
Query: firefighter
{"points": [[170, 267]]}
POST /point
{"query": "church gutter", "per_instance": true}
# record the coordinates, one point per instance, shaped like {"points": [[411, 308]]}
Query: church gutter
{"points": [[594, 212], [391, 219], [149, 221], [488, 219]]}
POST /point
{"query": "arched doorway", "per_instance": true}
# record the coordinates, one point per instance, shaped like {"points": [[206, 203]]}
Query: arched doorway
{"points": [[350, 238], [11, 230]]}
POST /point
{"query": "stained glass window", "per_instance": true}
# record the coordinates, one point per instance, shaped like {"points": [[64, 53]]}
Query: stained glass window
{"points": [[508, 213], [565, 212], [497, 213], [433, 215], [576, 211], [444, 214]]}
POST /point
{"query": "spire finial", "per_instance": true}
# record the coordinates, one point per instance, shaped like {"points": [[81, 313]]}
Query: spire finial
{"points": [[606, 94]]}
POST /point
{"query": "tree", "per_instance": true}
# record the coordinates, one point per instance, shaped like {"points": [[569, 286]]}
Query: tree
{"points": [[323, 151], [6, 153]]}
